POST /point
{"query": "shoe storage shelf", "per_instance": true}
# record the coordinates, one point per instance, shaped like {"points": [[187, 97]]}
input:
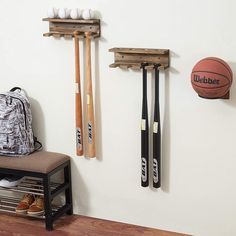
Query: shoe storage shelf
{"points": [[28, 185], [37, 170]]}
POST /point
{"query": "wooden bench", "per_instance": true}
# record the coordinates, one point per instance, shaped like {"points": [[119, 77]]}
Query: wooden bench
{"points": [[40, 166]]}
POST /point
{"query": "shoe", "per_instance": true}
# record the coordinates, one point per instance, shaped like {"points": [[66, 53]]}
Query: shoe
{"points": [[37, 208], [10, 181], [25, 203]]}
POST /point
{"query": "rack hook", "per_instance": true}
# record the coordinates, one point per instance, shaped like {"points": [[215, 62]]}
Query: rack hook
{"points": [[143, 65]]}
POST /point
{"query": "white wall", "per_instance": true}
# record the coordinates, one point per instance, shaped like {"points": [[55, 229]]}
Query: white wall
{"points": [[198, 193]]}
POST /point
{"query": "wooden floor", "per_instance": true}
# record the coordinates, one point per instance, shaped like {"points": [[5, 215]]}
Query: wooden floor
{"points": [[74, 226]]}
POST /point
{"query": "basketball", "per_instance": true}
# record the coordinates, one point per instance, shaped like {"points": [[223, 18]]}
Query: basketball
{"points": [[211, 77]]}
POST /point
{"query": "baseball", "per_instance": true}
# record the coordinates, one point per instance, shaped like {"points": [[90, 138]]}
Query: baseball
{"points": [[75, 13], [52, 12], [87, 14], [64, 13]]}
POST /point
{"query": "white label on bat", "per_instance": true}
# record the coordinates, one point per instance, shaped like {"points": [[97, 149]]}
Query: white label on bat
{"points": [[78, 139], [155, 127], [155, 171], [143, 124], [90, 133], [88, 99], [77, 88], [144, 170]]}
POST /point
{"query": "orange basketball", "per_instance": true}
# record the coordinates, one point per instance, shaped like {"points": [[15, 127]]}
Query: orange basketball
{"points": [[211, 77]]}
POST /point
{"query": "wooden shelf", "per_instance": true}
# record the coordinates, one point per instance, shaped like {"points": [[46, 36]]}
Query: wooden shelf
{"points": [[135, 57], [67, 27], [92, 21], [140, 50]]}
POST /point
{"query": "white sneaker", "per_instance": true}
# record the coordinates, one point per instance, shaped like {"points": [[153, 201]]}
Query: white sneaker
{"points": [[10, 181]]}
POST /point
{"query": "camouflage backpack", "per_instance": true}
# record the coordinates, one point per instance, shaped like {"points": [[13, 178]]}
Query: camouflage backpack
{"points": [[16, 134]]}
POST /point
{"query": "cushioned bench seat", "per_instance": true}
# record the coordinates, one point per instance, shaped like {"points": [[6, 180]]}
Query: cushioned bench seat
{"points": [[42, 162], [43, 165]]}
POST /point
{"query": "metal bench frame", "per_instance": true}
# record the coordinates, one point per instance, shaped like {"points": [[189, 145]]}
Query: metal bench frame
{"points": [[49, 194]]}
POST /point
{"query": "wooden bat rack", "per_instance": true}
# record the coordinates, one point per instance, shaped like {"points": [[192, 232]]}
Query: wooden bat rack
{"points": [[134, 57], [67, 27]]}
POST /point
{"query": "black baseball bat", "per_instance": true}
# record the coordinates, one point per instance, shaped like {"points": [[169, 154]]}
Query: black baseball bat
{"points": [[144, 133], [156, 133]]}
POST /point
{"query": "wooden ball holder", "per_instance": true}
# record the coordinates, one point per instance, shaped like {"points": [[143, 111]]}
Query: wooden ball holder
{"points": [[67, 27], [226, 96]]}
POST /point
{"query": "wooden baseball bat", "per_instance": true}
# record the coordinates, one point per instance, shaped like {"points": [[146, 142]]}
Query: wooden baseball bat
{"points": [[144, 133], [90, 150], [78, 103]]}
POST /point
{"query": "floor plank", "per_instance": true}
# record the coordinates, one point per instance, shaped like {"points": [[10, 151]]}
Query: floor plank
{"points": [[74, 226]]}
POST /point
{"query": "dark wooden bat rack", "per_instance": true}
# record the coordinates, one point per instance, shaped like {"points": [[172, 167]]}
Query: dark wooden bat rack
{"points": [[67, 27], [134, 57]]}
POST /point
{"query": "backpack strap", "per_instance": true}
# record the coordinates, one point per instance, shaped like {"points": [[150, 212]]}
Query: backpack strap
{"points": [[15, 88], [19, 90], [38, 144]]}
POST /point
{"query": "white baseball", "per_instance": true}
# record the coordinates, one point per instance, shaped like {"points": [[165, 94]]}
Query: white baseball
{"points": [[52, 12], [87, 14], [64, 13], [75, 13]]}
